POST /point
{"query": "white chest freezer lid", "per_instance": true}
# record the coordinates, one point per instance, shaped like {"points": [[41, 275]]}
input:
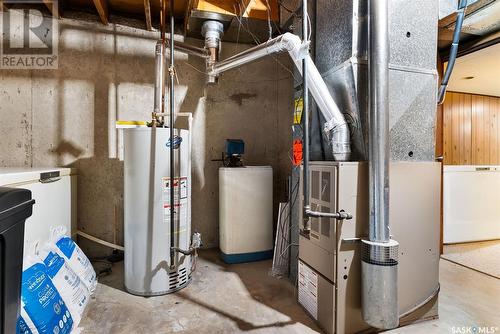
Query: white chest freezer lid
{"points": [[470, 168], [13, 175]]}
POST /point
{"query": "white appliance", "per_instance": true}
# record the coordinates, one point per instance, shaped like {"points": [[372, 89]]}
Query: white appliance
{"points": [[471, 203], [147, 210], [54, 192], [246, 213]]}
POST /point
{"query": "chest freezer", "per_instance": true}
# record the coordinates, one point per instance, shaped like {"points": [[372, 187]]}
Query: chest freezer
{"points": [[54, 192], [471, 198]]}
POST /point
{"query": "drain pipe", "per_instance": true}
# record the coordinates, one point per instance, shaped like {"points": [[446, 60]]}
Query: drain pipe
{"points": [[305, 117], [379, 254]]}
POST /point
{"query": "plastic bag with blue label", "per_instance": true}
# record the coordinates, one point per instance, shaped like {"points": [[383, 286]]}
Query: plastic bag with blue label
{"points": [[69, 285], [42, 308], [61, 244]]}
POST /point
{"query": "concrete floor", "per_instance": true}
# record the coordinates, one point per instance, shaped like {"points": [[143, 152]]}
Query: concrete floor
{"points": [[245, 298], [482, 256]]}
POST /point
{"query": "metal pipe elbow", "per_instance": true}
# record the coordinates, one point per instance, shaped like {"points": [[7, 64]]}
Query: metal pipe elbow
{"points": [[339, 140]]}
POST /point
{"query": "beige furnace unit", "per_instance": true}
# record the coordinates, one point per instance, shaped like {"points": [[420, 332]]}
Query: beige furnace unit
{"points": [[329, 259]]}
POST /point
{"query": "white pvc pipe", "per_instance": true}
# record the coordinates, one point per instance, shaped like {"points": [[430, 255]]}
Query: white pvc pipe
{"points": [[336, 126], [100, 241]]}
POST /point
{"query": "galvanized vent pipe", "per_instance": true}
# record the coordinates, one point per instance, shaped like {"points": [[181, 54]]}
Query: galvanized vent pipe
{"points": [[159, 80], [379, 257], [212, 31], [171, 72]]}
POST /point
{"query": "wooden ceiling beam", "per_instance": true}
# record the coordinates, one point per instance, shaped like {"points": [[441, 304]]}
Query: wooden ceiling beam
{"points": [[147, 13], [102, 9], [254, 9], [247, 7], [191, 4], [3, 6], [54, 8]]}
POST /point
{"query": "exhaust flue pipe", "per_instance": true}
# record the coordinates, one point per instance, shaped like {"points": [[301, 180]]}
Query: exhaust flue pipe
{"points": [[336, 129], [212, 31], [379, 256]]}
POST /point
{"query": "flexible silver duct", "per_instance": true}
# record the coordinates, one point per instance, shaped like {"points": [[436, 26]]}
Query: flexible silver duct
{"points": [[379, 254], [336, 128]]}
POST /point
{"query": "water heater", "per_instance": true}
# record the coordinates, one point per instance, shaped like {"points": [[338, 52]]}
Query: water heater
{"points": [[148, 271]]}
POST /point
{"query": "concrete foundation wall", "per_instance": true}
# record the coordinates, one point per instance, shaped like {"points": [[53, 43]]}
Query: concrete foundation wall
{"points": [[66, 117]]}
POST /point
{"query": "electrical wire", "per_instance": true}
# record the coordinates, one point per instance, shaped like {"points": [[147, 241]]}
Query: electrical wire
{"points": [[309, 22], [280, 3]]}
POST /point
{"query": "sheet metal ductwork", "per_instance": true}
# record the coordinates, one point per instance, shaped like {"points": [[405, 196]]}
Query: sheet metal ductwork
{"points": [[404, 124]]}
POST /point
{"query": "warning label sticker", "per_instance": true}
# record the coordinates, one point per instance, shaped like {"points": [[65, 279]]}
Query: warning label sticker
{"points": [[308, 289], [180, 187]]}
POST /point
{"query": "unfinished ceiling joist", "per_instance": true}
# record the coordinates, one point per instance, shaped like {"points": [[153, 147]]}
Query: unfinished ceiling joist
{"points": [[256, 9], [102, 9], [147, 13], [54, 8], [3, 7], [247, 6]]}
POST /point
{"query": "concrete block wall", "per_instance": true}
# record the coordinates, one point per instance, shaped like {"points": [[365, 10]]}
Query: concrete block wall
{"points": [[66, 117]]}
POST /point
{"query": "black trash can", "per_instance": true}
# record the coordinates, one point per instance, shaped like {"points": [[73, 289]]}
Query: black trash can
{"points": [[15, 206]]}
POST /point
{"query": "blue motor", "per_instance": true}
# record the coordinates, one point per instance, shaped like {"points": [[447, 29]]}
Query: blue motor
{"points": [[234, 151], [232, 157], [235, 147]]}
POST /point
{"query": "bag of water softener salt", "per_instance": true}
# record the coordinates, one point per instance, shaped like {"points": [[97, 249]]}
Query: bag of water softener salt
{"points": [[61, 244], [72, 290], [42, 308]]}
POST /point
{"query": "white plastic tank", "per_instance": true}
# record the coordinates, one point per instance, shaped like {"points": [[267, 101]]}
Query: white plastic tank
{"points": [[147, 210], [246, 213]]}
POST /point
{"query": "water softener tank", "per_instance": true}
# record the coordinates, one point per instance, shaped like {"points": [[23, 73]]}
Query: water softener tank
{"points": [[148, 271], [246, 213]]}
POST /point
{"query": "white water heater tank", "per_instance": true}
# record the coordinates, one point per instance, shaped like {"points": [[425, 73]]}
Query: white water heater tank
{"points": [[147, 210], [246, 213]]}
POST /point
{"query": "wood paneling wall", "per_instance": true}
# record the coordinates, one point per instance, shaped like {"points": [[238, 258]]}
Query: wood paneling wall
{"points": [[471, 129]]}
